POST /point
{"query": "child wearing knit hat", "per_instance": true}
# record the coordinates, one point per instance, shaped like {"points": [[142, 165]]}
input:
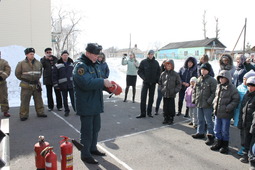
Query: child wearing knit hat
{"points": [[192, 107]]}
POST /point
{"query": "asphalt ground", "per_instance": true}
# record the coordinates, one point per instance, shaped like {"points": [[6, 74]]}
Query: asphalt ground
{"points": [[130, 143]]}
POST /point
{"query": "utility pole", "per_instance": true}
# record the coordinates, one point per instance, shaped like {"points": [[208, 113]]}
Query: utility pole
{"points": [[129, 50], [245, 25]]}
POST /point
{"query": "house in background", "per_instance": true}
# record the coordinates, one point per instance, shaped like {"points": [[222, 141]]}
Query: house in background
{"points": [[26, 23], [181, 50], [111, 52]]}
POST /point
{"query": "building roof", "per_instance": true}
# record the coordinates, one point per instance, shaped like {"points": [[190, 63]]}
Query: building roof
{"points": [[208, 42]]}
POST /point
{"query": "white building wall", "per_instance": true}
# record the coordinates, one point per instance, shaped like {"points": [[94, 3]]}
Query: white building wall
{"points": [[26, 23]]}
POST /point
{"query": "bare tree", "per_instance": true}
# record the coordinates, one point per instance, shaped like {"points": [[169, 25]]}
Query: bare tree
{"points": [[204, 24], [64, 30], [217, 31]]}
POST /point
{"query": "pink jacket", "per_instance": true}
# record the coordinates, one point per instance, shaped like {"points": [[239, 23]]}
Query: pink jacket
{"points": [[188, 97]]}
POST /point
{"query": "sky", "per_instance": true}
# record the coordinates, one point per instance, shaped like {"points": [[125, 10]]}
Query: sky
{"points": [[153, 24]]}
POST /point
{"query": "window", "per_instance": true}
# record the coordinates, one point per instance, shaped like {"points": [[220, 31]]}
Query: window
{"points": [[197, 53], [185, 53]]}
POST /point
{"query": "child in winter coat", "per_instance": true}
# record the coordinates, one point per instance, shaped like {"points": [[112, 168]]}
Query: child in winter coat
{"points": [[170, 83], [203, 95], [247, 118], [242, 89], [225, 101], [189, 104]]}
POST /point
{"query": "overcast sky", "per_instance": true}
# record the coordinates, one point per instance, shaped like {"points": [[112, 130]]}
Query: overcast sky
{"points": [[159, 22]]}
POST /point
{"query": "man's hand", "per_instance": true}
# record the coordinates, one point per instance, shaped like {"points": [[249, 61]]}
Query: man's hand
{"points": [[107, 83]]}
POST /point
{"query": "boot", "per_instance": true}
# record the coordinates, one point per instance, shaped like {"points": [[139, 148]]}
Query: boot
{"points": [[217, 146], [198, 136], [244, 159], [209, 140], [224, 148], [126, 93], [187, 112], [134, 90]]}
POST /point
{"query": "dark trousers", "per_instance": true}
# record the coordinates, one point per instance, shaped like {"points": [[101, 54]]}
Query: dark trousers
{"points": [[159, 98], [169, 108], [248, 139], [151, 88], [50, 97], [90, 126], [181, 98], [65, 98]]}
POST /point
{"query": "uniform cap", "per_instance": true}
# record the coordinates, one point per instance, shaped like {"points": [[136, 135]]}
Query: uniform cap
{"points": [[94, 48], [29, 50]]}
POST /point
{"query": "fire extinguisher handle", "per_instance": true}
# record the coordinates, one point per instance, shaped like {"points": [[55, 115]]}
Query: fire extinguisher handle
{"points": [[65, 139]]}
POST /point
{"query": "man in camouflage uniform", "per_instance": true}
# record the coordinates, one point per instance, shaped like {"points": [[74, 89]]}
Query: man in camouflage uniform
{"points": [[5, 71], [29, 71]]}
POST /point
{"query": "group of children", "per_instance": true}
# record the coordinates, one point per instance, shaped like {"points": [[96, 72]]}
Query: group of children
{"points": [[207, 96]]}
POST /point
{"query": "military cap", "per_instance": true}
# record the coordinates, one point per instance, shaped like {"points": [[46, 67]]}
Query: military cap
{"points": [[29, 50], [94, 48]]}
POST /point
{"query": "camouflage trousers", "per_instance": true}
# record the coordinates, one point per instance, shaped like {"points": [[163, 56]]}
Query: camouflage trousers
{"points": [[4, 97], [26, 93]]}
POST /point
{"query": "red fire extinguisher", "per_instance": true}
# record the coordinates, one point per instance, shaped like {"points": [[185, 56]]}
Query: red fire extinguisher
{"points": [[66, 154], [50, 158], [38, 148]]}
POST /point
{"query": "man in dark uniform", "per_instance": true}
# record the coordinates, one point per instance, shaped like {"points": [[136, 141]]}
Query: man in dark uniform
{"points": [[48, 62], [149, 71], [88, 87]]}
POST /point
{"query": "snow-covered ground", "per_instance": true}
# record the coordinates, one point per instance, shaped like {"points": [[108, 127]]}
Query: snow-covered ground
{"points": [[14, 54]]}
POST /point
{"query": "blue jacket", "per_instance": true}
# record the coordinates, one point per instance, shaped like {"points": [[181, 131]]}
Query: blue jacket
{"points": [[88, 86], [62, 74]]}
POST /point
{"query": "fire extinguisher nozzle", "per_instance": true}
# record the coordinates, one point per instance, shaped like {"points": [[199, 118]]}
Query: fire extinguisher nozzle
{"points": [[77, 144]]}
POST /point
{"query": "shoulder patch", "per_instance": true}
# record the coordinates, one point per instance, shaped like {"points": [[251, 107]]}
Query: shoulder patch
{"points": [[81, 71]]}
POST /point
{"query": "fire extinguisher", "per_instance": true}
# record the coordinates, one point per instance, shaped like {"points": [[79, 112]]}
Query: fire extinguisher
{"points": [[50, 158], [38, 148], [66, 154]]}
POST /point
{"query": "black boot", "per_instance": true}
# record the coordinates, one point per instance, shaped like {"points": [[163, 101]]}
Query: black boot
{"points": [[224, 148], [187, 112], [126, 93], [134, 90], [217, 146], [209, 140], [244, 159]]}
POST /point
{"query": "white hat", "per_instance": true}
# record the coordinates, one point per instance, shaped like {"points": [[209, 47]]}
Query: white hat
{"points": [[249, 74], [194, 79], [251, 81]]}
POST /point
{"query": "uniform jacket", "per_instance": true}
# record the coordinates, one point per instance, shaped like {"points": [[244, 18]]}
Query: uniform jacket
{"points": [[5, 70], [28, 72], [48, 66], [186, 73], [149, 70], [247, 113], [62, 74], [188, 97], [88, 86], [170, 83], [132, 66], [204, 91], [226, 97], [230, 67]]}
